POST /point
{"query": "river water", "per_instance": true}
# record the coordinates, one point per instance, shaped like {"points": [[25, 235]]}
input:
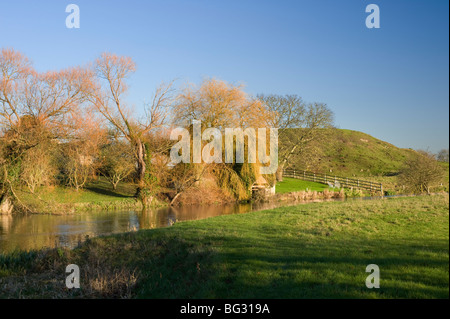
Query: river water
{"points": [[35, 231]]}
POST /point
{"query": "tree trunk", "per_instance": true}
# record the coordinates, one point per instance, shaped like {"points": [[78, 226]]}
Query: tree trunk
{"points": [[141, 166], [279, 172], [174, 199], [6, 205]]}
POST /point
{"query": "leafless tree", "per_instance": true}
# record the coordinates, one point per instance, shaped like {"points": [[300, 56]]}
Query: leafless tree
{"points": [[421, 173], [117, 162], [37, 167], [50, 98], [35, 108], [108, 96], [298, 123], [442, 156]]}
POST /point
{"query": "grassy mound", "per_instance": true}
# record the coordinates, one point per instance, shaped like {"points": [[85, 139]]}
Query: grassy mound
{"points": [[352, 153]]}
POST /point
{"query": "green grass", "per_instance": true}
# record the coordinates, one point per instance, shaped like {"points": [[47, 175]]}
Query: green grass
{"points": [[294, 185], [351, 153], [96, 195], [309, 251], [348, 153], [96, 191], [445, 166]]}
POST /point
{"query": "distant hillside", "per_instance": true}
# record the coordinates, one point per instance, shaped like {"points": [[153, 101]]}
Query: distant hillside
{"points": [[352, 153]]}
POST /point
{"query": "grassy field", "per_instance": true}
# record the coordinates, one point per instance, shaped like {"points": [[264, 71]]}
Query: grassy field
{"points": [[96, 191], [294, 185], [445, 166], [316, 250], [97, 194]]}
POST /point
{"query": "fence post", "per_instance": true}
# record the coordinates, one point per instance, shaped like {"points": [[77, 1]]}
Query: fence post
{"points": [[325, 178], [381, 189], [358, 182], [314, 177]]}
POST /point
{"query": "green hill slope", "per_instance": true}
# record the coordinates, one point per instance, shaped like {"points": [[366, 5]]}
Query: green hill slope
{"points": [[352, 153], [349, 153]]}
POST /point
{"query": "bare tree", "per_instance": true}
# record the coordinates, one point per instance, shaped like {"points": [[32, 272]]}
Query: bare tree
{"points": [[34, 109], [50, 98], [117, 162], [442, 156], [79, 168], [37, 167], [421, 173], [107, 96], [298, 124], [81, 154]]}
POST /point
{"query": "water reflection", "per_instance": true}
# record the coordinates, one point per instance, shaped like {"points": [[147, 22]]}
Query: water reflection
{"points": [[37, 231]]}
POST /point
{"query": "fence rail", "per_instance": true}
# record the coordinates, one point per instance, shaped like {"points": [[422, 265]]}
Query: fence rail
{"points": [[335, 181]]}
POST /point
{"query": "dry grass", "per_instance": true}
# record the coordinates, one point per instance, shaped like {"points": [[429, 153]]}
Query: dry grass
{"points": [[44, 276]]}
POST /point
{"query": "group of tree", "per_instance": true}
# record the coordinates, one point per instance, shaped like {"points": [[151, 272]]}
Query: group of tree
{"points": [[67, 127]]}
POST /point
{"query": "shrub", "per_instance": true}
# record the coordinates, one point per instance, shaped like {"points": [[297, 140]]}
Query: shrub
{"points": [[421, 173]]}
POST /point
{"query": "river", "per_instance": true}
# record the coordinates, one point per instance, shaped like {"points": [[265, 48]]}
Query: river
{"points": [[36, 231]]}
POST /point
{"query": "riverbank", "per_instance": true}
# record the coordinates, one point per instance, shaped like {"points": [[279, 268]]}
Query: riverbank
{"points": [[318, 250], [97, 195]]}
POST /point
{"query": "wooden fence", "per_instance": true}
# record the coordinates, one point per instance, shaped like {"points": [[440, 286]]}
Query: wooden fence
{"points": [[334, 181]]}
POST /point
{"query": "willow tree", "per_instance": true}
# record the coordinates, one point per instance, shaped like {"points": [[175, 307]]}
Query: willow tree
{"points": [[108, 97], [220, 105], [299, 124]]}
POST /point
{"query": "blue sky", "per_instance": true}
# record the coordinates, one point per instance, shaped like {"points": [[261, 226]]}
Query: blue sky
{"points": [[390, 82]]}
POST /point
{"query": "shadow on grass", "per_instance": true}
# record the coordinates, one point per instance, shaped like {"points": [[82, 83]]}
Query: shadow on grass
{"points": [[111, 267], [183, 263], [293, 269], [102, 191]]}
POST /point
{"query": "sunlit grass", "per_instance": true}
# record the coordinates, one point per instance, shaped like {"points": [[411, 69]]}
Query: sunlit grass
{"points": [[316, 250], [294, 185], [95, 191]]}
